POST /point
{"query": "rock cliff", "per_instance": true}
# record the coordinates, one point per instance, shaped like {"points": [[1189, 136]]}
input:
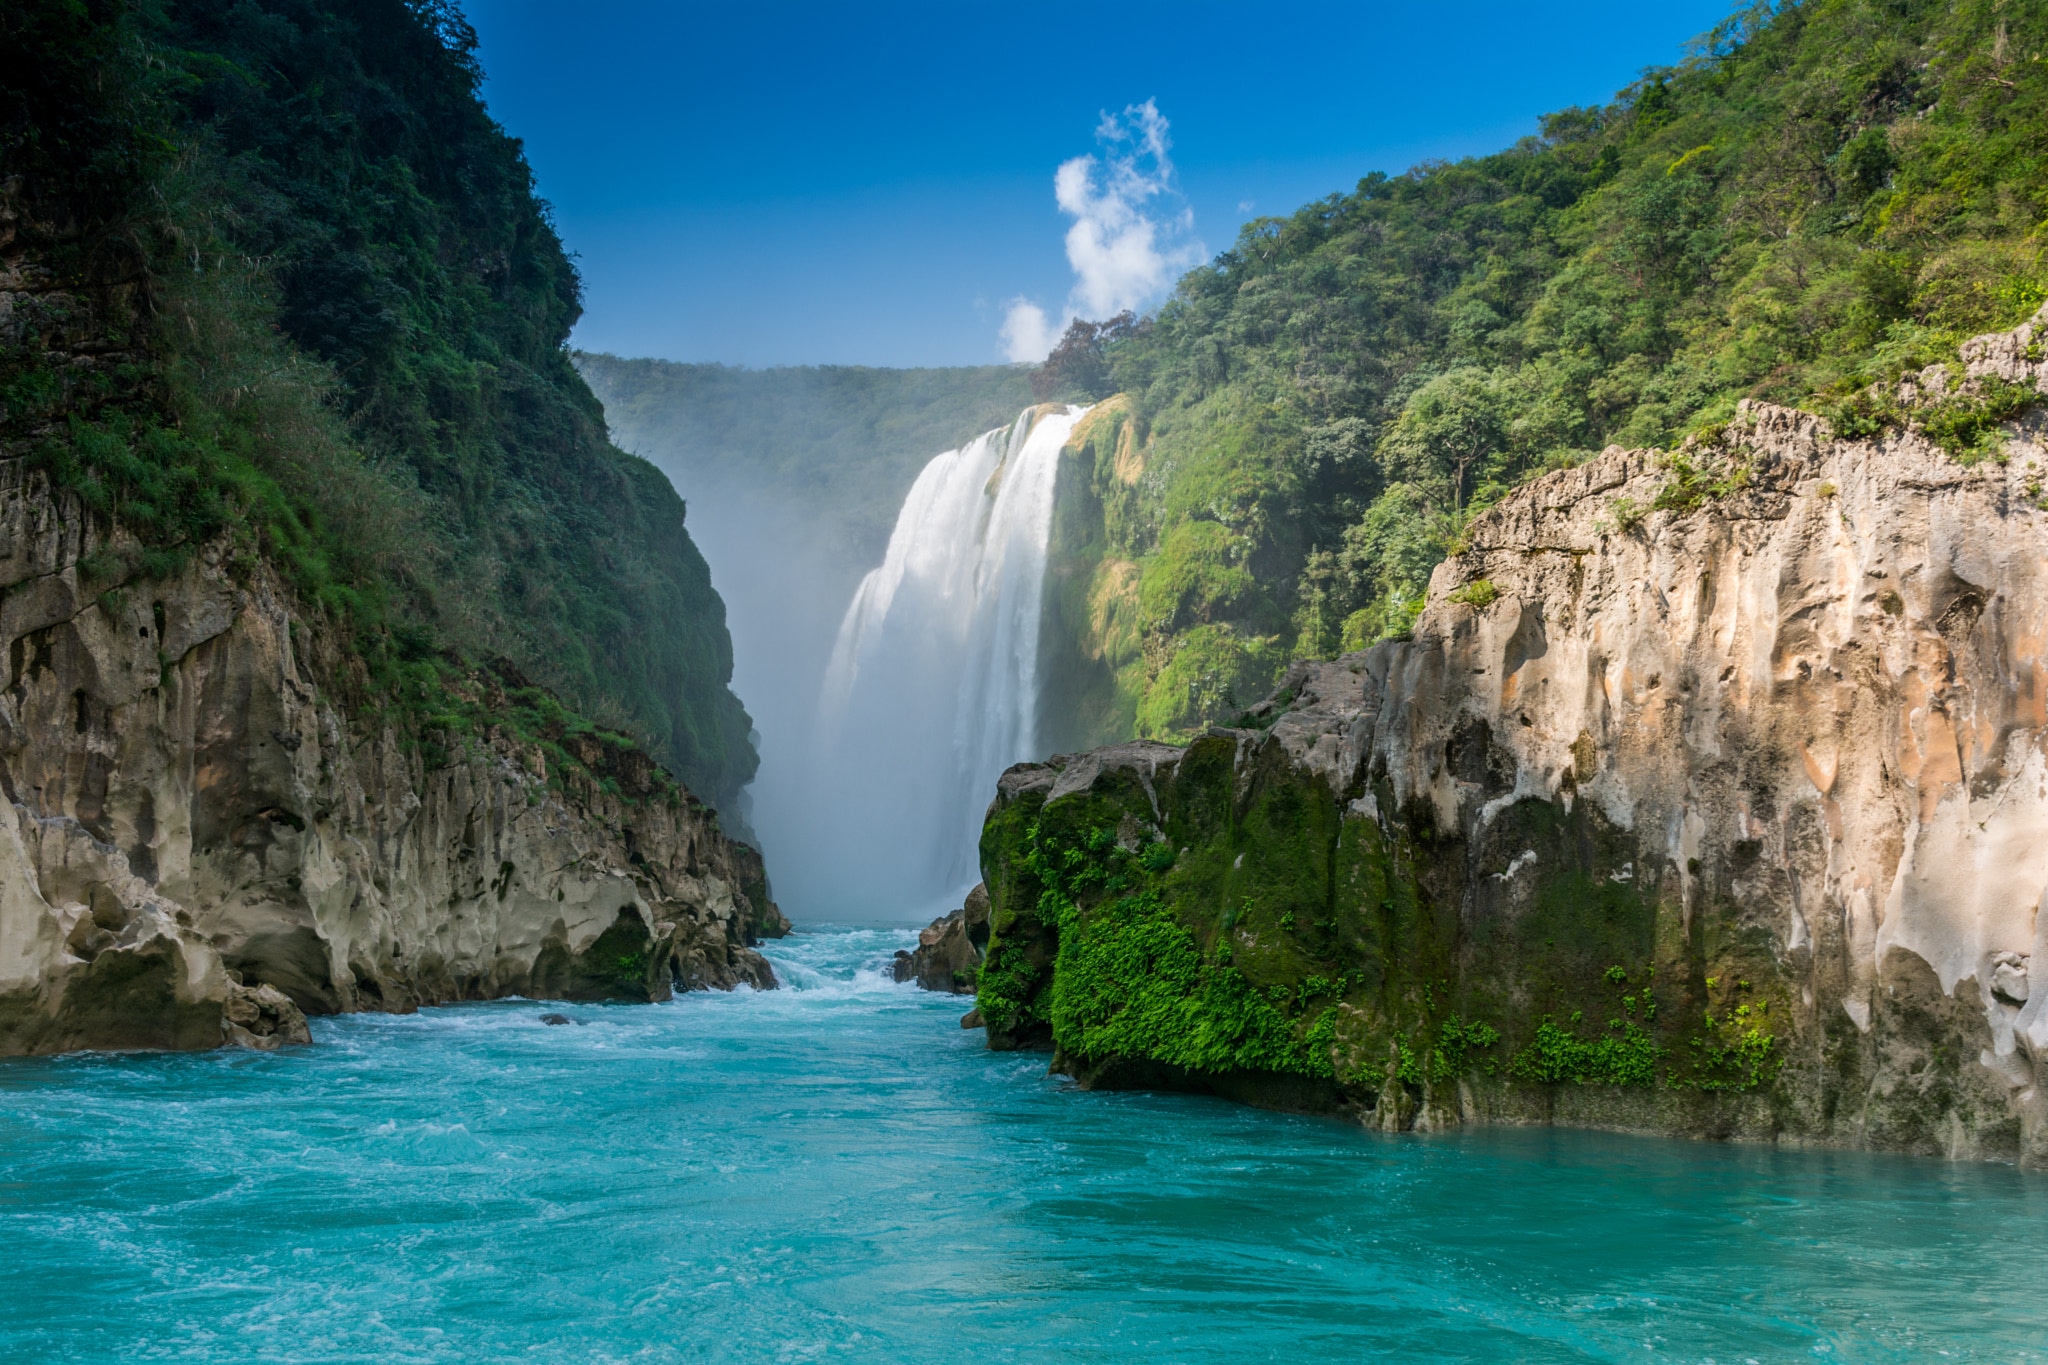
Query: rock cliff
{"points": [[1713, 805], [201, 840]]}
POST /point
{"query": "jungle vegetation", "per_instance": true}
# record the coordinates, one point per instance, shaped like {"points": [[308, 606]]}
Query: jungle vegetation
{"points": [[1821, 194]]}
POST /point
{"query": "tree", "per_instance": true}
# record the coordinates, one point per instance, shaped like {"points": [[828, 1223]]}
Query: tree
{"points": [[1446, 431], [1078, 367]]}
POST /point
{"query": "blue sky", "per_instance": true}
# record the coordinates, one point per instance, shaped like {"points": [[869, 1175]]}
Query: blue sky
{"points": [[769, 184]]}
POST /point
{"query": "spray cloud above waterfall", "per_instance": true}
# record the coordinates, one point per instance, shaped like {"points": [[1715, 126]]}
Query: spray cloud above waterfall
{"points": [[1132, 232]]}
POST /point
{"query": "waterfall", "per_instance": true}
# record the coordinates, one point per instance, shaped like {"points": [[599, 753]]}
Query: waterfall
{"points": [[933, 685]]}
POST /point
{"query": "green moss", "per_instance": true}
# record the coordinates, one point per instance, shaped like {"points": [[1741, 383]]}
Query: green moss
{"points": [[1274, 929], [1197, 575], [1214, 670], [1557, 1054]]}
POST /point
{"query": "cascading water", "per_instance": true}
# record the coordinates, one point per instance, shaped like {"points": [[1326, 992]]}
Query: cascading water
{"points": [[933, 685]]}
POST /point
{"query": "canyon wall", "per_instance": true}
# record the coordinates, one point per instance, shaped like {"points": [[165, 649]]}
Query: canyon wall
{"points": [[200, 840], [1727, 817]]}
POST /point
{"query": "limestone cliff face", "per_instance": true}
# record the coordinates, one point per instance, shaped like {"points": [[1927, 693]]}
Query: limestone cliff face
{"points": [[199, 841], [1730, 818]]}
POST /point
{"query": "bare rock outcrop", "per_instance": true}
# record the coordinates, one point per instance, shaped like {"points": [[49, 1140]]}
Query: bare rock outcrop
{"points": [[949, 948], [201, 844]]}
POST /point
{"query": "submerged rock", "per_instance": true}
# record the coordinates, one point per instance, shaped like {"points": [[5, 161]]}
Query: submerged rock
{"points": [[948, 952], [1713, 811]]}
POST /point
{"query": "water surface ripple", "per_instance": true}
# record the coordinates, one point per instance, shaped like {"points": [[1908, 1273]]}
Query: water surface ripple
{"points": [[836, 1171]]}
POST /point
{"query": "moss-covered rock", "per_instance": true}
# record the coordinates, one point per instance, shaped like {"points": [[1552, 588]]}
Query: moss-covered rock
{"points": [[1221, 918]]}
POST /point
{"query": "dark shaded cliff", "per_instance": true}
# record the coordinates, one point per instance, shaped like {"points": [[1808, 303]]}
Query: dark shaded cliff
{"points": [[275, 272]]}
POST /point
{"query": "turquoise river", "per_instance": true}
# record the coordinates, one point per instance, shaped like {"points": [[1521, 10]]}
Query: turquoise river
{"points": [[836, 1171]]}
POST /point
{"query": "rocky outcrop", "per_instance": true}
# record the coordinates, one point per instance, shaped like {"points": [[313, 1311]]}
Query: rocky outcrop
{"points": [[201, 841], [1702, 805], [948, 951]]}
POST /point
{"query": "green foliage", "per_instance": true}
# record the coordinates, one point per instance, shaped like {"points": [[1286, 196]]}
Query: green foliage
{"points": [[1735, 1051], [1694, 483], [1966, 423], [1213, 670], [1558, 1054], [1456, 1040], [79, 128], [1448, 427], [1077, 371], [1480, 593], [1823, 193]]}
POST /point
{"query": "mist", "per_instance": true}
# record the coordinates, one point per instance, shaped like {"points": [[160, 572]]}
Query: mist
{"points": [[794, 479]]}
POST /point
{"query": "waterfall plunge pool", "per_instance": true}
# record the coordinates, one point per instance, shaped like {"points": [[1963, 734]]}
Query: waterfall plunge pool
{"points": [[836, 1171]]}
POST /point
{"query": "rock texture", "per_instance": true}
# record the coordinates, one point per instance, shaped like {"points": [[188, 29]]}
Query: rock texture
{"points": [[948, 951], [1746, 801], [200, 842]]}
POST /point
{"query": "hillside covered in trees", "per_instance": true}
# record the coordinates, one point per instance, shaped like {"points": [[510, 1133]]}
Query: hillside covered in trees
{"points": [[337, 337], [1820, 196]]}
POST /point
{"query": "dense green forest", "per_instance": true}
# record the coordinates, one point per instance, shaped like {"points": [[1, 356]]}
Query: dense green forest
{"points": [[336, 332], [1820, 195], [837, 445]]}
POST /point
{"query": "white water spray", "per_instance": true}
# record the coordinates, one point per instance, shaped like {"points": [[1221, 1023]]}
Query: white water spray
{"points": [[933, 686]]}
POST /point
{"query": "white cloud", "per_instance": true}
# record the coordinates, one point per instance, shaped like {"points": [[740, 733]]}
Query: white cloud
{"points": [[1132, 234], [1028, 334]]}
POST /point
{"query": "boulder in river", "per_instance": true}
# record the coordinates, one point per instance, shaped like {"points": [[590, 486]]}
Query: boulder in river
{"points": [[949, 949]]}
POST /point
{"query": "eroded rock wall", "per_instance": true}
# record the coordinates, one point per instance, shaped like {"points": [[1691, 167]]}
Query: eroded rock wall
{"points": [[1730, 819], [199, 840]]}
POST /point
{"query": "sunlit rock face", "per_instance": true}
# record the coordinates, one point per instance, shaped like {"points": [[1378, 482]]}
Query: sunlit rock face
{"points": [[1776, 756], [1821, 706], [201, 840]]}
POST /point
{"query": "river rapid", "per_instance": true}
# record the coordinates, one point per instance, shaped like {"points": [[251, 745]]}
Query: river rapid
{"points": [[836, 1171]]}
